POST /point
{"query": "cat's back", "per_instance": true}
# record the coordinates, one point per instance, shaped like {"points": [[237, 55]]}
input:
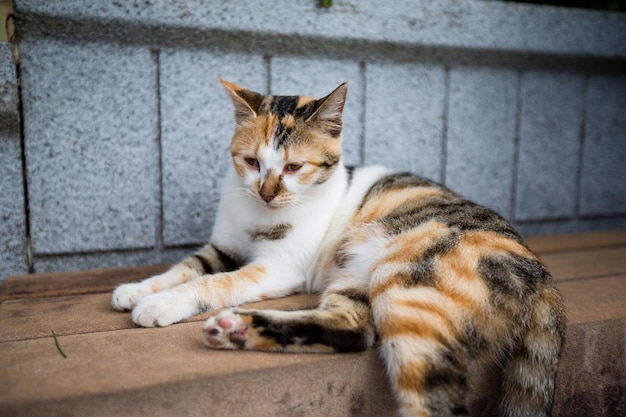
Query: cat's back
{"points": [[424, 235], [399, 202]]}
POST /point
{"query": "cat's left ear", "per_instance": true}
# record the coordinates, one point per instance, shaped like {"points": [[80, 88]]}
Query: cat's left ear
{"points": [[328, 115], [246, 102]]}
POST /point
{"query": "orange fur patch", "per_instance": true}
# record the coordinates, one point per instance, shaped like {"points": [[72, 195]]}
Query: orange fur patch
{"points": [[490, 242], [271, 184], [405, 249], [308, 176], [379, 288], [400, 325], [390, 200], [411, 376], [304, 100], [289, 121], [408, 246], [223, 286], [271, 122]]}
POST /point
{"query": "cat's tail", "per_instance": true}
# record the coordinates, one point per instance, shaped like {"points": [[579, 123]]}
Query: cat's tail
{"points": [[528, 376]]}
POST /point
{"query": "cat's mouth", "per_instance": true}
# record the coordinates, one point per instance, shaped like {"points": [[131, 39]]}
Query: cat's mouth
{"points": [[274, 204]]}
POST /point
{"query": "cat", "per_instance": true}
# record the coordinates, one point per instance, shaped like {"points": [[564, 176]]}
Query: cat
{"points": [[437, 282]]}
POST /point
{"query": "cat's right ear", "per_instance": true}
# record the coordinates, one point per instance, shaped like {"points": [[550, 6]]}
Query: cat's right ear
{"points": [[246, 102]]}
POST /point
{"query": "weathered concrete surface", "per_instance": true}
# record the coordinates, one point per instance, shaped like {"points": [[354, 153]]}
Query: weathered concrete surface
{"points": [[113, 368]]}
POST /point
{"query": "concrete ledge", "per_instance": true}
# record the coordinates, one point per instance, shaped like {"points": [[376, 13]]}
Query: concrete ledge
{"points": [[466, 30], [113, 368]]}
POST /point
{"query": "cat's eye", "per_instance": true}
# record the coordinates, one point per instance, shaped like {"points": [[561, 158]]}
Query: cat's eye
{"points": [[291, 168], [252, 162]]}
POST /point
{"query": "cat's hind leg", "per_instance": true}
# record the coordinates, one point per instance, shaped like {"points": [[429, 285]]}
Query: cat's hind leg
{"points": [[342, 323], [426, 365]]}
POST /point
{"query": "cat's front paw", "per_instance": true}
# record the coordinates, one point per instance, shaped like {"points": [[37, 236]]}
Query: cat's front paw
{"points": [[161, 309], [227, 330], [127, 296]]}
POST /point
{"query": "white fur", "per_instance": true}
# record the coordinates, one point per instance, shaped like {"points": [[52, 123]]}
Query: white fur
{"points": [[362, 180], [162, 309], [317, 214], [293, 256]]}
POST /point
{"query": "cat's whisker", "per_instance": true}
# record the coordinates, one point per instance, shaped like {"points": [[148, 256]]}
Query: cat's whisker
{"points": [[239, 192]]}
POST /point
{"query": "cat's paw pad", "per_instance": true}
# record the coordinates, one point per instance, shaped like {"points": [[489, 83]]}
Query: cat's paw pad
{"points": [[127, 296], [227, 330], [161, 309]]}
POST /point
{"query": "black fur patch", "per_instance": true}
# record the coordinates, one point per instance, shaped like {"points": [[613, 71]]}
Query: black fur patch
{"points": [[307, 110], [207, 268], [447, 372], [450, 209], [512, 275], [454, 212], [342, 255], [423, 268], [229, 263], [276, 232], [472, 340], [354, 295], [283, 105], [350, 171], [211, 263], [327, 167], [446, 384], [281, 135], [308, 333]]}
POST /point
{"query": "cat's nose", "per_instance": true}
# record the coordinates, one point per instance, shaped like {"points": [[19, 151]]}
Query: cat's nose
{"points": [[267, 197]]}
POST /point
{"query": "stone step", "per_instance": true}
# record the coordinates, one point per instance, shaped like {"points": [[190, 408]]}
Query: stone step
{"points": [[114, 368]]}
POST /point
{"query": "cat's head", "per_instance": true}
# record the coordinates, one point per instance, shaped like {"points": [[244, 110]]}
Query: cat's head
{"points": [[285, 145]]}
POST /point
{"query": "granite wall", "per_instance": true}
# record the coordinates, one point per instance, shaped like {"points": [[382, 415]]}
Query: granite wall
{"points": [[125, 127]]}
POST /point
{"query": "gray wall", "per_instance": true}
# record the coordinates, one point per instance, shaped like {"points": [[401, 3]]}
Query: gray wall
{"points": [[126, 128]]}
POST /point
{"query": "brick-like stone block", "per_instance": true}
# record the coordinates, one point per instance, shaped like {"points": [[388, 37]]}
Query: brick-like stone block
{"points": [[404, 117], [549, 145], [317, 77], [13, 258], [90, 117], [481, 135], [8, 86], [197, 126], [603, 187]]}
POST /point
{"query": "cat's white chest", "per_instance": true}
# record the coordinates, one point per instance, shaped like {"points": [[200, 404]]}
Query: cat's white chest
{"points": [[291, 235]]}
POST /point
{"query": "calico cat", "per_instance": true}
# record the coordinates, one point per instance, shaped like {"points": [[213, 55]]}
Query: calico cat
{"points": [[436, 282]]}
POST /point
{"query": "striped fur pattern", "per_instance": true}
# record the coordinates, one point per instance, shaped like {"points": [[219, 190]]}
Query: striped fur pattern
{"points": [[437, 283]]}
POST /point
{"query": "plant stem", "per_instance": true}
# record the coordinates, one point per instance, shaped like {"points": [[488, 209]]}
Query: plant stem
{"points": [[56, 342]]}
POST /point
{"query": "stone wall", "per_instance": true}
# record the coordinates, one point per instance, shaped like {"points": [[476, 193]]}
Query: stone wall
{"points": [[13, 243], [126, 128]]}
